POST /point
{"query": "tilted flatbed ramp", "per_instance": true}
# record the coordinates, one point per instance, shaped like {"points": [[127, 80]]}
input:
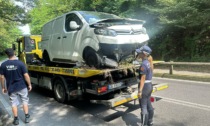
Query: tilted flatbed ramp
{"points": [[124, 98]]}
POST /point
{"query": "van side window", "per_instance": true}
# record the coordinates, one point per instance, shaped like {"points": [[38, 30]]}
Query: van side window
{"points": [[69, 18]]}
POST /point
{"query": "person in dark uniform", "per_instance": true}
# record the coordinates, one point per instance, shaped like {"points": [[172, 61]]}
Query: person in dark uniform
{"points": [[145, 86], [17, 83]]}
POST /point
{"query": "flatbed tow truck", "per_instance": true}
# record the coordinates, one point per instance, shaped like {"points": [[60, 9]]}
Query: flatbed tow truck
{"points": [[111, 87]]}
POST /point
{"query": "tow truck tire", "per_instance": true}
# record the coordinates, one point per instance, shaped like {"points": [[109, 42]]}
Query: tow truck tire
{"points": [[60, 91], [92, 58]]}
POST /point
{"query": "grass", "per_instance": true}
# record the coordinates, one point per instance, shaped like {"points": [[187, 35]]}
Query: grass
{"points": [[2, 57], [183, 77], [190, 68], [204, 69]]}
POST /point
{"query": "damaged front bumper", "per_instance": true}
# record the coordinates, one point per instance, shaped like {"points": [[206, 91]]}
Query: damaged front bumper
{"points": [[112, 54]]}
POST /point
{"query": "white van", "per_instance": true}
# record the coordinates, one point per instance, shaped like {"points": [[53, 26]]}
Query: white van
{"points": [[96, 38]]}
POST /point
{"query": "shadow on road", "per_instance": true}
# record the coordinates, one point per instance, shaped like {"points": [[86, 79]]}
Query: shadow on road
{"points": [[97, 110], [43, 92], [108, 114], [131, 119]]}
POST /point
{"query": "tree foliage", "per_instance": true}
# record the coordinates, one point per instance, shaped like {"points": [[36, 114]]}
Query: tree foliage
{"points": [[186, 24], [179, 29], [11, 12], [11, 16], [49, 9]]}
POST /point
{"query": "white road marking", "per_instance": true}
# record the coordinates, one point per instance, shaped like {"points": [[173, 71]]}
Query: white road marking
{"points": [[184, 103], [194, 82]]}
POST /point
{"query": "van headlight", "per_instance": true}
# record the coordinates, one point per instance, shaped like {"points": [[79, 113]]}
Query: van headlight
{"points": [[105, 32]]}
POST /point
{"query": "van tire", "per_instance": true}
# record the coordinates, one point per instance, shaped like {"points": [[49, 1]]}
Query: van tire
{"points": [[46, 59], [59, 91], [92, 59]]}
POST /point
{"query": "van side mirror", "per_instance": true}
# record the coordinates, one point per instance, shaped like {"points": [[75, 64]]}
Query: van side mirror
{"points": [[13, 46], [74, 25]]}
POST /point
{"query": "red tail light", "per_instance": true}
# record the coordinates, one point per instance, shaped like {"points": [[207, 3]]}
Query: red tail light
{"points": [[152, 99], [102, 89]]}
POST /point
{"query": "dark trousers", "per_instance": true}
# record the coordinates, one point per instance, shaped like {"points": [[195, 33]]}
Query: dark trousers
{"points": [[145, 103]]}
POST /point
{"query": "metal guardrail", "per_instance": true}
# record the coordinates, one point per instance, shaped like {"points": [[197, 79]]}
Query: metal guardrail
{"points": [[171, 64], [185, 63]]}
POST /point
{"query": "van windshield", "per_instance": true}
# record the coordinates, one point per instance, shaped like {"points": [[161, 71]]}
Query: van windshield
{"points": [[93, 17]]}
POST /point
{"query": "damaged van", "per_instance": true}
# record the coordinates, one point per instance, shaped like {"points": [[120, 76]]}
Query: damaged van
{"points": [[95, 38]]}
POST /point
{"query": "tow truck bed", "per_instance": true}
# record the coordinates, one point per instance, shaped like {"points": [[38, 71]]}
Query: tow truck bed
{"points": [[78, 82], [75, 72]]}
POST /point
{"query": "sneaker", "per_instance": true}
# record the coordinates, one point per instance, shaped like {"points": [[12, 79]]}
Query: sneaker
{"points": [[16, 121], [27, 118], [150, 124]]}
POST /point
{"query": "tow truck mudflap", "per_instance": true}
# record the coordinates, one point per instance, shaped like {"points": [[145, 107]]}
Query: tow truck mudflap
{"points": [[124, 98]]}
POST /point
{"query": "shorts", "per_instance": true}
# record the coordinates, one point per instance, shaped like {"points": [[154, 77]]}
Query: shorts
{"points": [[23, 94]]}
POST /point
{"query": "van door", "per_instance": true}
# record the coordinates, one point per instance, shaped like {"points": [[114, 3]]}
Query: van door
{"points": [[56, 43], [71, 37]]}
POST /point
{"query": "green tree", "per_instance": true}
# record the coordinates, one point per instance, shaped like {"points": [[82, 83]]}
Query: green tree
{"points": [[11, 16], [11, 12], [45, 11], [186, 23], [8, 33], [179, 30]]}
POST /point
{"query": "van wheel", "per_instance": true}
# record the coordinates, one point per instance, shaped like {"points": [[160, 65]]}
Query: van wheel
{"points": [[60, 91], [92, 58], [46, 59]]}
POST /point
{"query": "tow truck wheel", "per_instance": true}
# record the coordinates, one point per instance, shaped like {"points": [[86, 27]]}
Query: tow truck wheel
{"points": [[92, 58], [60, 91]]}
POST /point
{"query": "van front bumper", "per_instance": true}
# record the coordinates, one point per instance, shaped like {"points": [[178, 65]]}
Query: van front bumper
{"points": [[118, 51]]}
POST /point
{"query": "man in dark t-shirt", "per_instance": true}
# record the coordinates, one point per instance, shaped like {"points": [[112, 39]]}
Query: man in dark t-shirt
{"points": [[17, 83]]}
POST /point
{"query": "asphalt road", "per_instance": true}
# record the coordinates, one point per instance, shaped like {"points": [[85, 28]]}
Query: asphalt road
{"points": [[184, 103]]}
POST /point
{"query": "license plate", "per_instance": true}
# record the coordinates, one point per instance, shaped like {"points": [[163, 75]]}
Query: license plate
{"points": [[116, 85]]}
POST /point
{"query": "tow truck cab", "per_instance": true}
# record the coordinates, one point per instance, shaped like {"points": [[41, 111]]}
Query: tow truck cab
{"points": [[29, 47]]}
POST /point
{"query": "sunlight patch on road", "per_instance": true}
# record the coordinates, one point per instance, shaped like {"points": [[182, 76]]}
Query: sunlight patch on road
{"points": [[60, 112]]}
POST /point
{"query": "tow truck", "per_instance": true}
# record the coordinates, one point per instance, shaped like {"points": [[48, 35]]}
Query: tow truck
{"points": [[111, 87]]}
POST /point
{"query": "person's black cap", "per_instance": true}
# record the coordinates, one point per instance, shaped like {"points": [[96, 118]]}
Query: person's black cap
{"points": [[9, 52]]}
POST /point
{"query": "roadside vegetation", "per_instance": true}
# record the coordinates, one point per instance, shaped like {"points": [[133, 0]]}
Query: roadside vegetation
{"points": [[184, 72], [2, 57], [183, 77], [179, 30], [200, 68]]}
